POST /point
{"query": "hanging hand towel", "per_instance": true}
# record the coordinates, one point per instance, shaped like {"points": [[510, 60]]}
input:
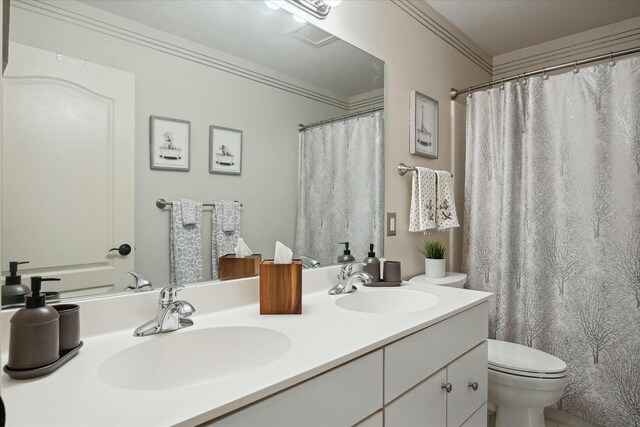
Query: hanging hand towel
{"points": [[223, 242], [446, 213], [423, 199], [190, 212], [185, 245], [230, 215]]}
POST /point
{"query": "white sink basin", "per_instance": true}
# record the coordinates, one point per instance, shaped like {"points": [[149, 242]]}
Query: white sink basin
{"points": [[184, 358], [387, 301]]}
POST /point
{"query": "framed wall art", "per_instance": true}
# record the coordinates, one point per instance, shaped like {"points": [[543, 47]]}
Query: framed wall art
{"points": [[170, 141], [225, 150], [424, 125]]}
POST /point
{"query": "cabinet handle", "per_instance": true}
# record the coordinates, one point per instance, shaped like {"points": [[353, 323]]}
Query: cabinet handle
{"points": [[447, 386], [474, 386]]}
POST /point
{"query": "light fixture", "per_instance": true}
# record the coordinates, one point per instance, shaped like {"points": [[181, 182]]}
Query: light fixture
{"points": [[318, 8], [298, 19], [271, 5], [333, 3]]}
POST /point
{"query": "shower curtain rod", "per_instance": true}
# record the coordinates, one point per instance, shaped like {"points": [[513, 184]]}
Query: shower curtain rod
{"points": [[455, 92], [302, 128]]}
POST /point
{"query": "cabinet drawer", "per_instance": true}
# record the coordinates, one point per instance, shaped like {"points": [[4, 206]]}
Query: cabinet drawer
{"points": [[425, 405], [478, 419], [414, 358], [340, 397], [463, 399]]}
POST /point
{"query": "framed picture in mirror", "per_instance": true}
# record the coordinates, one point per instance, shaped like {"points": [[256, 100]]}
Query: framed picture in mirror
{"points": [[225, 150], [170, 141], [424, 125]]}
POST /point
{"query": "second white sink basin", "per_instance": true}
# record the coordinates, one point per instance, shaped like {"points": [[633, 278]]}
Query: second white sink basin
{"points": [[183, 358], [387, 301]]}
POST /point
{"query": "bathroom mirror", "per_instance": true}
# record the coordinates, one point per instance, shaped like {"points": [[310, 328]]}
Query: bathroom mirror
{"points": [[100, 69]]}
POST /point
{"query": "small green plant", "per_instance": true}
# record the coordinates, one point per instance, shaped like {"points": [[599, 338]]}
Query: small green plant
{"points": [[433, 249]]}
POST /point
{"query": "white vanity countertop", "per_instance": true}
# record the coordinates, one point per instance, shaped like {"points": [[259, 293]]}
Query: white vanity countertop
{"points": [[323, 337]]}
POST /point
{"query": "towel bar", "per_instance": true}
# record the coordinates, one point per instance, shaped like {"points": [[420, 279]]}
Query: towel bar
{"points": [[403, 169], [162, 203]]}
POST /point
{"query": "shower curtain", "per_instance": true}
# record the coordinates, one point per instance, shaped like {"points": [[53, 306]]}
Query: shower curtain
{"points": [[341, 189], [552, 227]]}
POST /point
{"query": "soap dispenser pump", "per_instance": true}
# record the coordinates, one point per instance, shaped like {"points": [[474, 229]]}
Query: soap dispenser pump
{"points": [[35, 336], [372, 264], [346, 256], [13, 291]]}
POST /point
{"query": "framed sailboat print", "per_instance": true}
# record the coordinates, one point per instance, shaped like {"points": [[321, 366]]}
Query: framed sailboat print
{"points": [[225, 150], [170, 141], [424, 125]]}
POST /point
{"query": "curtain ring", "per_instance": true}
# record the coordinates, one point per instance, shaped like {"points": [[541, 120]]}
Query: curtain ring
{"points": [[611, 61], [545, 76], [502, 83], [469, 90], [524, 79], [575, 67]]}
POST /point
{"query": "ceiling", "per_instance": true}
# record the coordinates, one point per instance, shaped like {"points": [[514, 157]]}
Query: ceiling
{"points": [[501, 26], [249, 30]]}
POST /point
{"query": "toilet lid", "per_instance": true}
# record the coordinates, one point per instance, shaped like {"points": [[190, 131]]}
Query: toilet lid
{"points": [[521, 360]]}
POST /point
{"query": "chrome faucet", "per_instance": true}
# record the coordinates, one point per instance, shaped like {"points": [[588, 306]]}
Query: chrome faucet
{"points": [[142, 283], [172, 314], [308, 262], [346, 279]]}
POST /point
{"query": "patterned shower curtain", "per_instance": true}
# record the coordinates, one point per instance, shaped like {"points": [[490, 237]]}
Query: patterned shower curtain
{"points": [[341, 190], [552, 227]]}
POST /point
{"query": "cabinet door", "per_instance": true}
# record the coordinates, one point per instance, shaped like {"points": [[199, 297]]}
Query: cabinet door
{"points": [[375, 420], [478, 419], [468, 378], [425, 405]]}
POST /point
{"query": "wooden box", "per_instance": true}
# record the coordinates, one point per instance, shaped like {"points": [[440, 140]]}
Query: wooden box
{"points": [[281, 287], [230, 267]]}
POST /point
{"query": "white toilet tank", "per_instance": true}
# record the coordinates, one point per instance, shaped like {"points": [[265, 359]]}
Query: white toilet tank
{"points": [[454, 280]]}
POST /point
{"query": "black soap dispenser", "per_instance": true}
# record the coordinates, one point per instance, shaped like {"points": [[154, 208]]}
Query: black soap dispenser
{"points": [[13, 291], [346, 256], [34, 341], [372, 264]]}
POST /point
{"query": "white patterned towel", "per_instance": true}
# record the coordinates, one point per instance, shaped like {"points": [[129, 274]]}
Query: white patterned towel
{"points": [[185, 246], [224, 242], [229, 210], [190, 212], [446, 216], [423, 198]]}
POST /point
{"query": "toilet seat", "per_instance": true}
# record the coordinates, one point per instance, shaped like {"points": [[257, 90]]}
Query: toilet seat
{"points": [[515, 359]]}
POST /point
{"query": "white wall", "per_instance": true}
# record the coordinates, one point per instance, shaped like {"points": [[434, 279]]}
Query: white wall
{"points": [[169, 86], [598, 41]]}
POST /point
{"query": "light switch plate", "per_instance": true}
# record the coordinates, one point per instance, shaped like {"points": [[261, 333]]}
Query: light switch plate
{"points": [[391, 223]]}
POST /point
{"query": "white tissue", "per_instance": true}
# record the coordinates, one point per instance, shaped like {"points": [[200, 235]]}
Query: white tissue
{"points": [[283, 255], [242, 250]]}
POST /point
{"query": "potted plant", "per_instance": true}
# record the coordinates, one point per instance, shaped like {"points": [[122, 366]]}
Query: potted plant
{"points": [[434, 262]]}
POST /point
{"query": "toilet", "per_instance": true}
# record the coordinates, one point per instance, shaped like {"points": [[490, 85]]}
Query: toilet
{"points": [[522, 380]]}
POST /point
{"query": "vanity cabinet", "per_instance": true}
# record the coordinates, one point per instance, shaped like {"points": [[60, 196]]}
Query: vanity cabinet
{"points": [[450, 397], [436, 377]]}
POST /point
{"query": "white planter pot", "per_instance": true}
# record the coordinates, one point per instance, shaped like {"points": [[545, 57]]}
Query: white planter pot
{"points": [[434, 267]]}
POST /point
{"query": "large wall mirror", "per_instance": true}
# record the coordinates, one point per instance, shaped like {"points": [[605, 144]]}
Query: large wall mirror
{"points": [[79, 173]]}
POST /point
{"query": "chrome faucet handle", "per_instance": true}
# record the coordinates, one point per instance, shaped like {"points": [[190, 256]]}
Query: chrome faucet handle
{"points": [[142, 283], [169, 294], [346, 269]]}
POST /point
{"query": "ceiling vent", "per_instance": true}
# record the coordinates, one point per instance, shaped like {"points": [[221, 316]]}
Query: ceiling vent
{"points": [[312, 35]]}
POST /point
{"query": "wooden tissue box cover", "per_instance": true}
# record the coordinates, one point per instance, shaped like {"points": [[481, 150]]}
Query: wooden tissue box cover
{"points": [[281, 287], [230, 267]]}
